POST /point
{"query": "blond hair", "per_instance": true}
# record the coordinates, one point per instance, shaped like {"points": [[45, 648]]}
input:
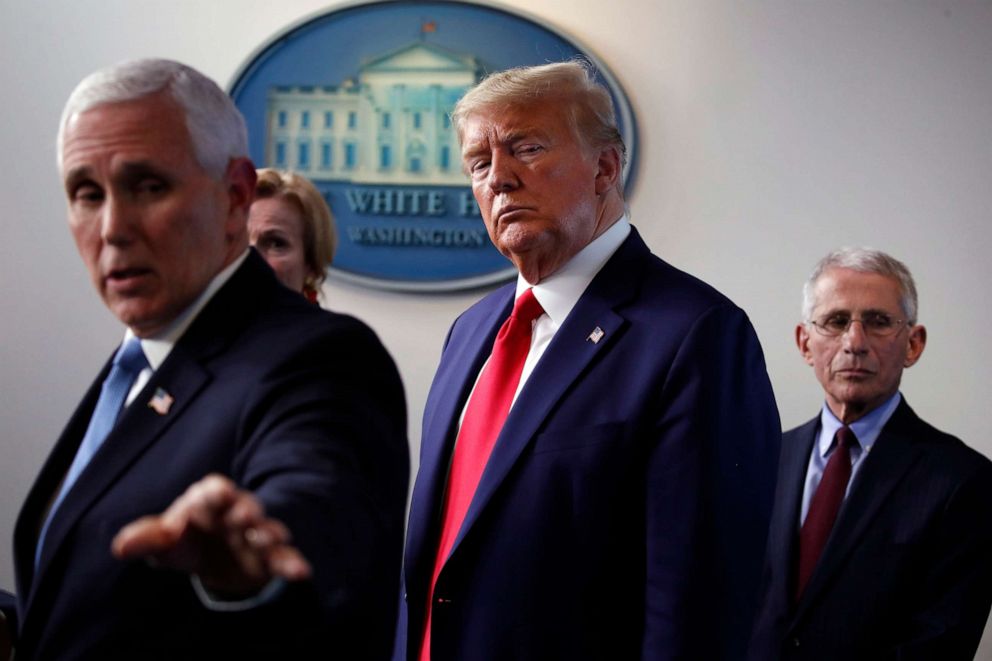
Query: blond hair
{"points": [[319, 235], [590, 107]]}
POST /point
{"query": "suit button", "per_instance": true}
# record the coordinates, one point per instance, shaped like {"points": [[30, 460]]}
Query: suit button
{"points": [[795, 642]]}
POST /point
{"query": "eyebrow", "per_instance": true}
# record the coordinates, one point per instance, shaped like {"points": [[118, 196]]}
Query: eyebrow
{"points": [[514, 136], [848, 311], [136, 169], [525, 133], [127, 172], [76, 174], [473, 149]]}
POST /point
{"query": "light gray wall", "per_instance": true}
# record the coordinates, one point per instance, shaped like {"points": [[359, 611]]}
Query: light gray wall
{"points": [[770, 132]]}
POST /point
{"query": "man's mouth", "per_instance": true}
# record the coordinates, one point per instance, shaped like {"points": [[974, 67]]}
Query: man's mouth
{"points": [[124, 278], [511, 212], [855, 372]]}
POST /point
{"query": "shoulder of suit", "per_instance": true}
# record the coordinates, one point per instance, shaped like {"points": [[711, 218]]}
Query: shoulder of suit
{"points": [[484, 306], [803, 431], [943, 447], [943, 456], [670, 285], [285, 322]]}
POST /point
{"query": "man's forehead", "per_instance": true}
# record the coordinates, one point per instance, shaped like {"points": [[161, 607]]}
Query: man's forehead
{"points": [[534, 114], [160, 103], [844, 289], [136, 131]]}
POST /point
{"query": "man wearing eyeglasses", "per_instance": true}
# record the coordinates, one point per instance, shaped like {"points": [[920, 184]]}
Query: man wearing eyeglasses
{"points": [[881, 538]]}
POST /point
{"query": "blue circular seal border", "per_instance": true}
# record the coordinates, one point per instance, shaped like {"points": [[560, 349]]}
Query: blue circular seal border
{"points": [[396, 233]]}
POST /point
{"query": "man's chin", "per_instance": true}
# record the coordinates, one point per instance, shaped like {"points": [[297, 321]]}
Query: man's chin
{"points": [[142, 318]]}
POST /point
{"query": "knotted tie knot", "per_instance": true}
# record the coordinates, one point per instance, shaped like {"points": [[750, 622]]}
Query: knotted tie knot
{"points": [[131, 359], [527, 307], [846, 438]]}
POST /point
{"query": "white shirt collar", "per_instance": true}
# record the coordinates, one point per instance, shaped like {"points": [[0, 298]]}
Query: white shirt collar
{"points": [[559, 292], [157, 347]]}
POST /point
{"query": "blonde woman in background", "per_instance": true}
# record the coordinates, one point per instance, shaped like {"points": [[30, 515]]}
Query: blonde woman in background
{"points": [[291, 226]]}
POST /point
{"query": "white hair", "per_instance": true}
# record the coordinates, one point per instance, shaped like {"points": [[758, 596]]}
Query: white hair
{"points": [[864, 260], [216, 128]]}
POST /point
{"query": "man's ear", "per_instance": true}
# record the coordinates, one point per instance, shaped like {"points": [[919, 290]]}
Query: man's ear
{"points": [[917, 342], [608, 169], [240, 180], [802, 342]]}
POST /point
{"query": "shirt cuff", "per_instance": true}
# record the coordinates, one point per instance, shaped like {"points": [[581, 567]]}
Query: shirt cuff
{"points": [[216, 603]]}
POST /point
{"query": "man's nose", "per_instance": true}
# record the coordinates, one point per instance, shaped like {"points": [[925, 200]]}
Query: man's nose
{"points": [[854, 338], [502, 175], [115, 221]]}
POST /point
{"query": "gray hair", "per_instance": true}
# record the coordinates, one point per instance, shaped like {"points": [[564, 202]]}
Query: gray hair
{"points": [[864, 260], [591, 112], [216, 128]]}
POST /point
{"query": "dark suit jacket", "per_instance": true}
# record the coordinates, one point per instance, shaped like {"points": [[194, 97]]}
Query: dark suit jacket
{"points": [[299, 405], [624, 509], [907, 571], [8, 623]]}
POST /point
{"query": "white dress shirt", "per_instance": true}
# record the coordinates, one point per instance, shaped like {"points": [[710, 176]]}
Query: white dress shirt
{"points": [[559, 292], [158, 347]]}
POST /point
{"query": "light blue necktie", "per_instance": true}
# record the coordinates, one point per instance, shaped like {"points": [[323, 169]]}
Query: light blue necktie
{"points": [[128, 363]]}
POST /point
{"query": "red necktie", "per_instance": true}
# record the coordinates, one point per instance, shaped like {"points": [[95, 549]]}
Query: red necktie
{"points": [[824, 507], [484, 417]]}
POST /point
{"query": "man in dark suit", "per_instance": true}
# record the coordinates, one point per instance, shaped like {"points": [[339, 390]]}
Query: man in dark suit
{"points": [[881, 538], [619, 510], [297, 414]]}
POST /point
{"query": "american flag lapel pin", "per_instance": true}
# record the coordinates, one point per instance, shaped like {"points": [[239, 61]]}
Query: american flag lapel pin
{"points": [[596, 335], [161, 401]]}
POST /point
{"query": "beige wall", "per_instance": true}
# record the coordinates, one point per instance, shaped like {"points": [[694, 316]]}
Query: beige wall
{"points": [[771, 131]]}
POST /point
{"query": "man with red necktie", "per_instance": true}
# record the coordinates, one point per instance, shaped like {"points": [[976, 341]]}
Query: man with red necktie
{"points": [[881, 536], [599, 443]]}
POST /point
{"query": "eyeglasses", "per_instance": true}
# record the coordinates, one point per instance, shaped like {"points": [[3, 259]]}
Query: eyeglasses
{"points": [[875, 324]]}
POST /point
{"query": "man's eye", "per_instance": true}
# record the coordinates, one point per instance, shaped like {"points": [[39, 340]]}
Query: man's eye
{"points": [[877, 320], [478, 166], [87, 194], [529, 149], [836, 322], [150, 186]]}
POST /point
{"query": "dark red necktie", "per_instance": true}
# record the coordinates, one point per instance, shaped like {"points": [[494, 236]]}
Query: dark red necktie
{"points": [[824, 507], [484, 417]]}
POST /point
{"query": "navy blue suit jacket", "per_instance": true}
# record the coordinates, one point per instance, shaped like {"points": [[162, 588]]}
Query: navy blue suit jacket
{"points": [[299, 405], [624, 509], [907, 570]]}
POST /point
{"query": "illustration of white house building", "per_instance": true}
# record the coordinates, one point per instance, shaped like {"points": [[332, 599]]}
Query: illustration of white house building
{"points": [[389, 125]]}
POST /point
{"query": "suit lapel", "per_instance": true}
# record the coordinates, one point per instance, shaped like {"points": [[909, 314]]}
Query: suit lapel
{"points": [[564, 361], [891, 457], [182, 376], [783, 538], [463, 358], [137, 429]]}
